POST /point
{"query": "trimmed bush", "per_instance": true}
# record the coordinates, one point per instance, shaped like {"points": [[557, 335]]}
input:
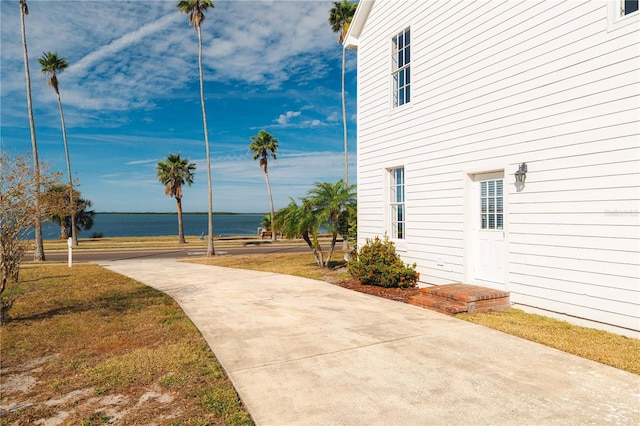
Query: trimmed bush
{"points": [[378, 264]]}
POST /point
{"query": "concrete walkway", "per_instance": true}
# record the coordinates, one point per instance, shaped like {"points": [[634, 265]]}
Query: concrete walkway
{"points": [[301, 351]]}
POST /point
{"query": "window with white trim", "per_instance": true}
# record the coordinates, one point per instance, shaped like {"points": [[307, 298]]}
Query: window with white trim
{"points": [[397, 203], [401, 68], [621, 13]]}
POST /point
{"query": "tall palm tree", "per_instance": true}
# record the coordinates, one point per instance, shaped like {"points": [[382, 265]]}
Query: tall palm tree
{"points": [[196, 9], [52, 63], [173, 172], [264, 146], [340, 17], [39, 248]]}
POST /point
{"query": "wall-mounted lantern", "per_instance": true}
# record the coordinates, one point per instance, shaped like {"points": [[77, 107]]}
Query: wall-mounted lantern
{"points": [[521, 174]]}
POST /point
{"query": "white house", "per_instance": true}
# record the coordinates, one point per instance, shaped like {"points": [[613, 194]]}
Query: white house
{"points": [[454, 97]]}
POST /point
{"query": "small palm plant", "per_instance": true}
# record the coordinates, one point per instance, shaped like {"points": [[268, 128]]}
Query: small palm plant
{"points": [[325, 207], [173, 172], [264, 147], [330, 203]]}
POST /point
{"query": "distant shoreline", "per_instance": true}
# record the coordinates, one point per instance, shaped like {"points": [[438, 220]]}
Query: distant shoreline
{"points": [[136, 224], [184, 213]]}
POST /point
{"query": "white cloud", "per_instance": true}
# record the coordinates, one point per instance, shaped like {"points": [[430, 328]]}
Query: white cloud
{"points": [[267, 43], [284, 119]]}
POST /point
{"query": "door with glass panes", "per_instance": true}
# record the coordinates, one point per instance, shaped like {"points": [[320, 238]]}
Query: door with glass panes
{"points": [[489, 236]]}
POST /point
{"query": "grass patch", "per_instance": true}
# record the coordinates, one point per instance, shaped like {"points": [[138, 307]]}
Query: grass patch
{"points": [[597, 345], [167, 241], [95, 342], [608, 348], [298, 264]]}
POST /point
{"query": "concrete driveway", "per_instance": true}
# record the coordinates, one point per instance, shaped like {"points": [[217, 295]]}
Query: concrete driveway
{"points": [[301, 351]]}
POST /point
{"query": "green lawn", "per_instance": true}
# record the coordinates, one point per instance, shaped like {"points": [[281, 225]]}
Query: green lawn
{"points": [[108, 348]]}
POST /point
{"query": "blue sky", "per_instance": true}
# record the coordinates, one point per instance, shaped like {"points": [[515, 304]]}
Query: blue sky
{"points": [[131, 96]]}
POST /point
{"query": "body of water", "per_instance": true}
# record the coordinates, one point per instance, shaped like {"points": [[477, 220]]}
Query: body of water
{"points": [[160, 224]]}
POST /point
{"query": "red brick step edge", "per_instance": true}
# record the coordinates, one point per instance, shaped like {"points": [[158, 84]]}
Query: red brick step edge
{"points": [[452, 299]]}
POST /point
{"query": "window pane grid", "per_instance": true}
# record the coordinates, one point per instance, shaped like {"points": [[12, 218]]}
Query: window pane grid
{"points": [[401, 68], [397, 203], [491, 204]]}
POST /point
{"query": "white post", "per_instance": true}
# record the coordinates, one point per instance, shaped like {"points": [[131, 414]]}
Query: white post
{"points": [[70, 245]]}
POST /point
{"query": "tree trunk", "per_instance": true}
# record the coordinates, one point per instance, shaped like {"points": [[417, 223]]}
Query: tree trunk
{"points": [[333, 244], [180, 227], [38, 253], [344, 124], [317, 250], [345, 241], [72, 204], [210, 248], [318, 255], [273, 231], [305, 237]]}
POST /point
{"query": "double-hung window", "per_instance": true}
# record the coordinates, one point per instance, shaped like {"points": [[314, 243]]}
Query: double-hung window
{"points": [[401, 69], [397, 203]]}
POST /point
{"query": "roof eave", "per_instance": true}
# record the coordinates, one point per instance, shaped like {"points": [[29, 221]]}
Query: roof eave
{"points": [[352, 39]]}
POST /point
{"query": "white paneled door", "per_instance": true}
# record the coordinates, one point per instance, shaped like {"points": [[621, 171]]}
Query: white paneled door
{"points": [[489, 235]]}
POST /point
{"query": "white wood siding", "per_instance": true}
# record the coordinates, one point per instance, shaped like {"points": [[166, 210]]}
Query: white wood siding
{"points": [[495, 84]]}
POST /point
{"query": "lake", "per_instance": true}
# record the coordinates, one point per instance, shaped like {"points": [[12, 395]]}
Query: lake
{"points": [[160, 224]]}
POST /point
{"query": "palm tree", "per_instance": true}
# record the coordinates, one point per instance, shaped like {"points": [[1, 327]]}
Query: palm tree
{"points": [[264, 146], [325, 206], [39, 248], [340, 17], [296, 221], [173, 172], [329, 203], [51, 63], [196, 9], [59, 210]]}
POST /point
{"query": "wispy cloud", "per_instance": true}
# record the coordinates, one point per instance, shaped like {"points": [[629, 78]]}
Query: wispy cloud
{"points": [[107, 52], [137, 162], [133, 55]]}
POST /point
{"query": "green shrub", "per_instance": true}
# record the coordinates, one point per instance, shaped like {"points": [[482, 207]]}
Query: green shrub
{"points": [[378, 264]]}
